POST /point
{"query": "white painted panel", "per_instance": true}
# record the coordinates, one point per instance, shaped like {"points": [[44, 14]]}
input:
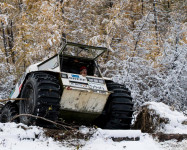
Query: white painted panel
{"points": [[83, 101], [50, 64]]}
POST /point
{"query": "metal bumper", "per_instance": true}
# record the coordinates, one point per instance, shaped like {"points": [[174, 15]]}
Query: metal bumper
{"points": [[83, 100]]}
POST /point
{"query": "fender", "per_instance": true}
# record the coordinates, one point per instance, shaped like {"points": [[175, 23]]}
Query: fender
{"points": [[41, 66]]}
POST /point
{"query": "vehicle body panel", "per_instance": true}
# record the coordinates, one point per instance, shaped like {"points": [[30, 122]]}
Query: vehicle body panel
{"points": [[85, 101], [51, 63]]}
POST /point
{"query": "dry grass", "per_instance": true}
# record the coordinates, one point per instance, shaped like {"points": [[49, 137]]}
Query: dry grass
{"points": [[148, 121]]}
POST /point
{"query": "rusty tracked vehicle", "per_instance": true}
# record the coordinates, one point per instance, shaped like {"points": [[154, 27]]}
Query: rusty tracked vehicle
{"points": [[55, 89]]}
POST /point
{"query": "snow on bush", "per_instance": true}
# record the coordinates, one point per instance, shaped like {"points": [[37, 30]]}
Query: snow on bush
{"points": [[175, 118], [158, 117], [149, 83], [7, 78]]}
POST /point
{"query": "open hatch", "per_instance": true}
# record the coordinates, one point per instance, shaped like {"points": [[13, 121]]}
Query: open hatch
{"points": [[80, 50]]}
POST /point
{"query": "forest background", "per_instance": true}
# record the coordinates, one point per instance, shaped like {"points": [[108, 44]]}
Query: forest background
{"points": [[146, 41]]}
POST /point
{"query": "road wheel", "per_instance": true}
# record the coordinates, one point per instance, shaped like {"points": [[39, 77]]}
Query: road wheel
{"points": [[43, 93]]}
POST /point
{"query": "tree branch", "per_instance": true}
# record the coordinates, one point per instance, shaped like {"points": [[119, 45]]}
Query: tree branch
{"points": [[42, 118], [8, 99]]}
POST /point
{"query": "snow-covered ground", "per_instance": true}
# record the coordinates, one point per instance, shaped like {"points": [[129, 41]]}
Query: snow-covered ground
{"points": [[21, 137]]}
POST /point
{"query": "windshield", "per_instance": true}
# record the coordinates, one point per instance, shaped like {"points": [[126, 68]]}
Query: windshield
{"points": [[79, 50]]}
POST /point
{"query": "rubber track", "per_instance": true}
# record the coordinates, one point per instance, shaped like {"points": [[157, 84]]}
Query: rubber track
{"points": [[120, 107], [48, 98]]}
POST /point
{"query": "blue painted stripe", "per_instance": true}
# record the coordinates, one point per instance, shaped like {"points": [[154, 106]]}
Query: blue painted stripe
{"points": [[11, 93], [75, 76]]}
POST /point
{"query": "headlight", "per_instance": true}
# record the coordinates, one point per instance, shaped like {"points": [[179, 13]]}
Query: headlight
{"points": [[95, 80], [101, 81], [90, 79], [63, 75]]}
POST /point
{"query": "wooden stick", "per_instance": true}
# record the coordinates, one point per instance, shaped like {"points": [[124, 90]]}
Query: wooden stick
{"points": [[165, 137], [38, 117], [16, 99]]}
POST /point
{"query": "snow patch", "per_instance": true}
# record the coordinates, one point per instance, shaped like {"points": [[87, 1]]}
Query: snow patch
{"points": [[120, 133], [18, 137], [175, 118], [50, 42], [99, 141]]}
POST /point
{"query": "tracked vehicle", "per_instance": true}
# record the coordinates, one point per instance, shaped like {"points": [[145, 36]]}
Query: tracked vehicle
{"points": [[55, 89]]}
